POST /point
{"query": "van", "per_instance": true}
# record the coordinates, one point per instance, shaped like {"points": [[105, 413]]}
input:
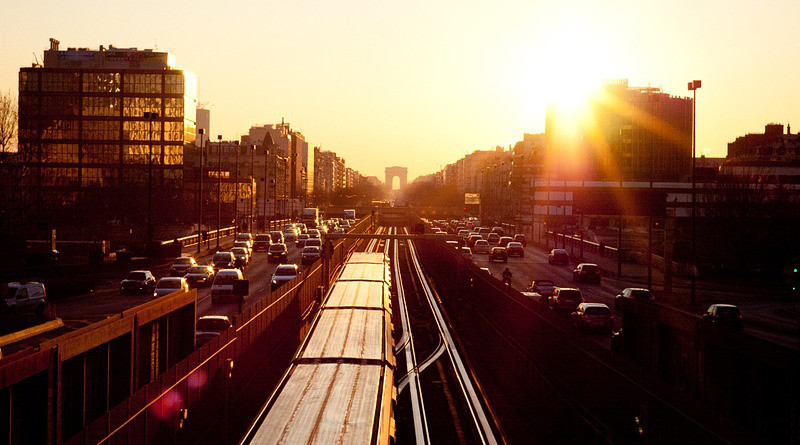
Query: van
{"points": [[22, 297], [223, 286]]}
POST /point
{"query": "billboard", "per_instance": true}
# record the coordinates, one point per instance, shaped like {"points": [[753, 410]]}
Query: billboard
{"points": [[472, 199]]}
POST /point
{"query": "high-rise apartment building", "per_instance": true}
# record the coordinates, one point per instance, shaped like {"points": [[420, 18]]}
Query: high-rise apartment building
{"points": [[97, 128]]}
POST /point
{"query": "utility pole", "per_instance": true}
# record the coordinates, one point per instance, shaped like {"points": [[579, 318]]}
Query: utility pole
{"points": [[693, 87], [219, 186], [150, 115], [201, 131]]}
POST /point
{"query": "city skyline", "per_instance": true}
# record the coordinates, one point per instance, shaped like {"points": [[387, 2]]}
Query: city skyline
{"points": [[422, 85]]}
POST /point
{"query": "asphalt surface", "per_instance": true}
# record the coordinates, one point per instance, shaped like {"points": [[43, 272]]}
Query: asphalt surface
{"points": [[106, 300]]}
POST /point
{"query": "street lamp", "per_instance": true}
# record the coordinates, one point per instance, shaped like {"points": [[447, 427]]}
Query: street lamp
{"points": [[201, 132], [252, 181], [693, 87], [150, 116], [236, 200], [219, 186]]}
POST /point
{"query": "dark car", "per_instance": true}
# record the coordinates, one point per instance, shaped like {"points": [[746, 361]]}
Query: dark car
{"points": [[515, 249], [262, 242], [724, 315], [498, 230], [223, 260], [301, 239], [472, 240], [565, 299], [210, 327], [138, 281], [593, 316], [278, 253], [633, 293], [558, 257], [545, 288], [504, 240], [199, 276], [277, 237], [521, 238], [498, 254], [181, 265], [310, 254], [586, 272], [493, 238]]}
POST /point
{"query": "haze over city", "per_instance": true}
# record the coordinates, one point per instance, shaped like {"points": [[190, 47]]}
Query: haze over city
{"points": [[420, 83]]}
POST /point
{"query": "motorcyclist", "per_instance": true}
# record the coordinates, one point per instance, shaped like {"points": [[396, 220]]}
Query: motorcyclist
{"points": [[507, 276]]}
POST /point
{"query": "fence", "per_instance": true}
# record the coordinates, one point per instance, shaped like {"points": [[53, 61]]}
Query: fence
{"points": [[193, 400], [191, 240], [550, 383]]}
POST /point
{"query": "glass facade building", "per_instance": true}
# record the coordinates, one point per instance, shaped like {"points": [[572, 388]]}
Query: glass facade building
{"points": [[86, 141]]}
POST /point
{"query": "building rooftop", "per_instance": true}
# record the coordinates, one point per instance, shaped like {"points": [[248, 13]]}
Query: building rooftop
{"points": [[109, 57]]}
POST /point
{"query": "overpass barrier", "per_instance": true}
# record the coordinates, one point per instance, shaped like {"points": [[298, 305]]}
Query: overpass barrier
{"points": [[209, 397], [191, 240]]}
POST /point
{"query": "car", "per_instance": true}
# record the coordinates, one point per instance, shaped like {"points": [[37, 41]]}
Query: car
{"points": [[504, 240], [633, 293], [209, 327], [223, 286], [310, 254], [587, 272], [244, 237], [498, 230], [486, 269], [168, 285], [544, 288], [484, 232], [18, 297], [241, 258], [533, 296], [141, 281], [463, 234], [593, 316], [515, 249], [565, 299], [481, 246], [244, 245], [473, 239], [223, 260], [200, 276], [284, 273], [498, 254], [558, 257], [315, 242], [441, 233], [493, 238], [290, 234], [724, 315], [302, 228], [323, 229], [181, 265], [277, 237], [466, 252], [521, 238], [278, 253], [262, 242], [301, 240], [314, 233]]}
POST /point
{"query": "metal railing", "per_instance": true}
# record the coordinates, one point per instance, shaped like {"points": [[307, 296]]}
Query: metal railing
{"points": [[212, 235]]}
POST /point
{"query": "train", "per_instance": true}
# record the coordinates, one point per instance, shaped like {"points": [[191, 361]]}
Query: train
{"points": [[340, 386]]}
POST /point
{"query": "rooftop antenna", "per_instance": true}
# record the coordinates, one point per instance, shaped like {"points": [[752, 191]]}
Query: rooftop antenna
{"points": [[36, 59]]}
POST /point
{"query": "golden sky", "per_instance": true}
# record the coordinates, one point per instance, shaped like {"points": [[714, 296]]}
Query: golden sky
{"points": [[421, 83]]}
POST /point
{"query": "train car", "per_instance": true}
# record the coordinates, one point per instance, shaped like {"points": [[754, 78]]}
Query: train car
{"points": [[340, 387]]}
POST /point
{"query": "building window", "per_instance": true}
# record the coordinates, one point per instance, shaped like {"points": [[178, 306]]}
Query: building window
{"points": [[60, 82], [173, 83], [138, 130], [59, 176], [66, 106], [173, 131], [59, 129], [60, 153], [134, 176], [28, 81], [173, 107], [137, 154], [137, 106], [28, 106], [173, 155], [100, 130], [97, 177], [143, 83], [100, 154], [100, 106], [101, 83]]}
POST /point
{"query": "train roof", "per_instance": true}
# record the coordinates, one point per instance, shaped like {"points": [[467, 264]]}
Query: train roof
{"points": [[360, 294], [350, 334], [326, 403], [365, 272], [368, 257]]}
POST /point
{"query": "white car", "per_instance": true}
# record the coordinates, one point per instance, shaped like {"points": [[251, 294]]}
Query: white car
{"points": [[19, 297], [168, 285], [222, 287], [284, 273], [241, 255], [466, 252], [310, 254], [209, 327], [481, 246]]}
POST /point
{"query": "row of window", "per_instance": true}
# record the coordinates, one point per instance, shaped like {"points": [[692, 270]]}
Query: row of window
{"points": [[100, 177], [104, 82], [103, 130], [69, 106], [109, 154]]}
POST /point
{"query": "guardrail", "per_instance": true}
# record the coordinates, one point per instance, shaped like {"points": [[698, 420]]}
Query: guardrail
{"points": [[212, 235], [575, 242]]}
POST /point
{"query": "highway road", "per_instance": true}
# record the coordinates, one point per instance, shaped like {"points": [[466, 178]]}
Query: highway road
{"points": [[106, 300]]}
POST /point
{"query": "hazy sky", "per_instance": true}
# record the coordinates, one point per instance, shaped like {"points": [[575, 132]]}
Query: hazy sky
{"points": [[421, 83]]}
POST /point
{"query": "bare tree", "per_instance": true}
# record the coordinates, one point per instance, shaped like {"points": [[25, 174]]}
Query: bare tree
{"points": [[8, 121]]}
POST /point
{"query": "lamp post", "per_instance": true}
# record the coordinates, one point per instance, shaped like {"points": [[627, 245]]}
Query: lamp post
{"points": [[219, 186], [693, 87], [264, 197], [150, 116], [236, 200], [252, 181], [201, 132]]}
